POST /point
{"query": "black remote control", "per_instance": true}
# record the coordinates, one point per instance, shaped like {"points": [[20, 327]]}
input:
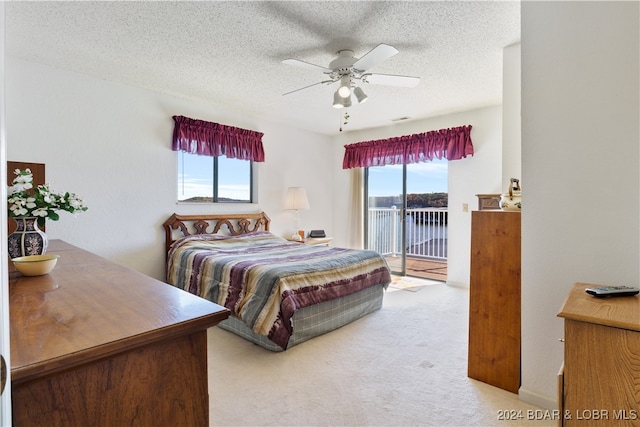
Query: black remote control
{"points": [[612, 291]]}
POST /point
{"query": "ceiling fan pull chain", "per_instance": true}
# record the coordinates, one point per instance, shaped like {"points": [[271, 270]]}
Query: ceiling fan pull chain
{"points": [[346, 120]]}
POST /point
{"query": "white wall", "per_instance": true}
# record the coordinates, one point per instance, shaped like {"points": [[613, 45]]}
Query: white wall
{"points": [[511, 122], [110, 143], [580, 163], [479, 174]]}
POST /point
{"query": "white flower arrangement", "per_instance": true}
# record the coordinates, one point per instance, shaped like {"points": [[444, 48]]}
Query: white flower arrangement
{"points": [[26, 201]]}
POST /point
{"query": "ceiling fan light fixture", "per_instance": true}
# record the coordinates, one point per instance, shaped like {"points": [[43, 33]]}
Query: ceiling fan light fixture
{"points": [[339, 101], [345, 86], [360, 95]]}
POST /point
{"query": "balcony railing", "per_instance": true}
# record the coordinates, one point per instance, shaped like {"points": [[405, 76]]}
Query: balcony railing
{"points": [[426, 232]]}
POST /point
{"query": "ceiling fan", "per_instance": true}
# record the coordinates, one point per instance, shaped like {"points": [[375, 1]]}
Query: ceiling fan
{"points": [[348, 69]]}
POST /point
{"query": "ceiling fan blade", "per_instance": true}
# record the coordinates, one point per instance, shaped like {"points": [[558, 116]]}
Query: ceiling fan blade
{"points": [[375, 56], [308, 65], [391, 80], [306, 87]]}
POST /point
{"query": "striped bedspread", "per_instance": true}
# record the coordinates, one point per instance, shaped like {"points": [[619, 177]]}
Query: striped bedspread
{"points": [[263, 279]]}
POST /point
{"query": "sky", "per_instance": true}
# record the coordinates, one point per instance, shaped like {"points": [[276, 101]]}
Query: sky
{"points": [[431, 177], [428, 177]]}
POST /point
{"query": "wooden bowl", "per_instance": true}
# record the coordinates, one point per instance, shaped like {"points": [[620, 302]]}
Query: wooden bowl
{"points": [[35, 265]]}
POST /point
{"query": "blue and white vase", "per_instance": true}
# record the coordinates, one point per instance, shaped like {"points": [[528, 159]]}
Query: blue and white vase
{"points": [[28, 239]]}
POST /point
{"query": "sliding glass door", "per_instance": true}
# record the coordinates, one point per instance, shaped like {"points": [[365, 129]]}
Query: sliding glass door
{"points": [[385, 204], [406, 216]]}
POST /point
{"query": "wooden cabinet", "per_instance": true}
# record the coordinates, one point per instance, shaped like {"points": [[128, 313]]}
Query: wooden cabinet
{"points": [[600, 381], [94, 343], [494, 299]]}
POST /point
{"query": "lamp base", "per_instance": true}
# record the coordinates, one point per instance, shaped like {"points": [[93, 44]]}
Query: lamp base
{"points": [[296, 237]]}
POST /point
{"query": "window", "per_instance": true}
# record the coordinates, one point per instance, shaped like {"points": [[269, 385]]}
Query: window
{"points": [[205, 179], [215, 163]]}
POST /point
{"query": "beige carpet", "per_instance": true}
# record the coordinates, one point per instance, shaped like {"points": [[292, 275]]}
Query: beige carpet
{"points": [[410, 284], [405, 365]]}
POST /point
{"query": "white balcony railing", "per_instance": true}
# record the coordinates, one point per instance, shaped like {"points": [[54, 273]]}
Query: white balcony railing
{"points": [[426, 232]]}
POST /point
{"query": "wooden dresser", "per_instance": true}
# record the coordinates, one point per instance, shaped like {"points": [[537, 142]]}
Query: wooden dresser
{"points": [[494, 299], [599, 384], [95, 343]]}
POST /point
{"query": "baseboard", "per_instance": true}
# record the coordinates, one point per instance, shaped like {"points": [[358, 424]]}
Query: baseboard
{"points": [[536, 399], [457, 284]]}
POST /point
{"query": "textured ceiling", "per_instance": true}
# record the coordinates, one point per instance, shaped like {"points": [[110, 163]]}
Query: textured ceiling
{"points": [[230, 53]]}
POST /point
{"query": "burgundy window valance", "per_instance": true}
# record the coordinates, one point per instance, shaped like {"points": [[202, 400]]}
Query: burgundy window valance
{"points": [[213, 139], [451, 144]]}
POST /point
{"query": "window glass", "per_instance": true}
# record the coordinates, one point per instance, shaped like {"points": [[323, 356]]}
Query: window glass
{"points": [[205, 179], [234, 180]]}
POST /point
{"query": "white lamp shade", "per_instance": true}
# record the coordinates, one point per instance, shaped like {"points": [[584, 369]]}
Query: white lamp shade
{"points": [[337, 100], [296, 199], [345, 86], [360, 95]]}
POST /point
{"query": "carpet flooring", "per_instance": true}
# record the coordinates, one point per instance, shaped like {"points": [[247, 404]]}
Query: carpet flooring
{"points": [[410, 284], [404, 365]]}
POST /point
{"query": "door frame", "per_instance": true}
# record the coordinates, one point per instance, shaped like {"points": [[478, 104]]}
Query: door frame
{"points": [[5, 397]]}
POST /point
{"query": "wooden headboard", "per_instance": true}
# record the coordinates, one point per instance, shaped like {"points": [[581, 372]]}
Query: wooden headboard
{"points": [[236, 224]]}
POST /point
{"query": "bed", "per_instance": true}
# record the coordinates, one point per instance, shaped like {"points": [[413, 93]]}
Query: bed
{"points": [[280, 293]]}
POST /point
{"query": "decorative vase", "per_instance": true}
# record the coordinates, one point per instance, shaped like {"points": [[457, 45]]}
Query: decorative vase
{"points": [[512, 201], [28, 239]]}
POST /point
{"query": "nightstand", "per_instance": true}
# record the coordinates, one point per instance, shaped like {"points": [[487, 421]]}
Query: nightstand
{"points": [[317, 241]]}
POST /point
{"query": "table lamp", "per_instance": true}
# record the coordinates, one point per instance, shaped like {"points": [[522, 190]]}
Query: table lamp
{"points": [[296, 200]]}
